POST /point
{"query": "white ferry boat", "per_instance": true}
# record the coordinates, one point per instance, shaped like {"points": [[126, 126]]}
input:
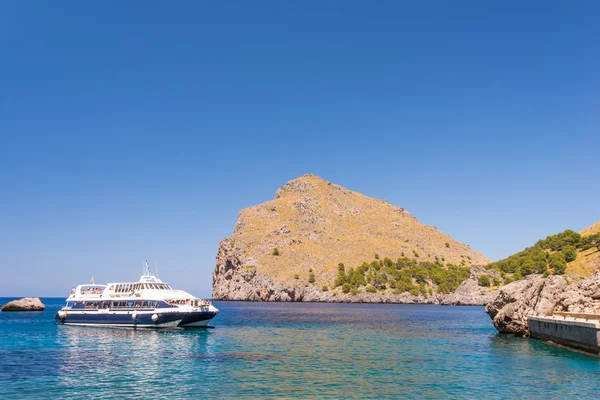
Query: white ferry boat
{"points": [[148, 303]]}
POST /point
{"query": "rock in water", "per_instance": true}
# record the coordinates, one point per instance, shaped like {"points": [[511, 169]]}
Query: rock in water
{"points": [[518, 300], [25, 304], [538, 296], [289, 248]]}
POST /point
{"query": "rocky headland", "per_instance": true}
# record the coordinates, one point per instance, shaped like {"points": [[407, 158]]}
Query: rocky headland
{"points": [[577, 291], [24, 304], [539, 296], [295, 247]]}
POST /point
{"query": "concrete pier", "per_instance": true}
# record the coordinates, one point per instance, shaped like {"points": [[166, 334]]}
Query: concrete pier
{"points": [[578, 331]]}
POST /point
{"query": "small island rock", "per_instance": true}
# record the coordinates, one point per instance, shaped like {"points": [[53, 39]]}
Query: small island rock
{"points": [[25, 304]]}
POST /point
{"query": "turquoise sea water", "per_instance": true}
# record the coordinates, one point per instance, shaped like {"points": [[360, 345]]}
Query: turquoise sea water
{"points": [[283, 350]]}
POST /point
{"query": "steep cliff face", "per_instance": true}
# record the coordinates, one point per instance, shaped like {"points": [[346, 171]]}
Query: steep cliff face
{"points": [[289, 248]]}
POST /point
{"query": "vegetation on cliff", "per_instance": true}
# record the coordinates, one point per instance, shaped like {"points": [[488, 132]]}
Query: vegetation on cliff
{"points": [[550, 256], [402, 276]]}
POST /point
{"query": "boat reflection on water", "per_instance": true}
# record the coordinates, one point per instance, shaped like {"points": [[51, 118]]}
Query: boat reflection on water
{"points": [[149, 357]]}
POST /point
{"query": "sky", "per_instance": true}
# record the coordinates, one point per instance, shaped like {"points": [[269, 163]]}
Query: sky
{"points": [[134, 131]]}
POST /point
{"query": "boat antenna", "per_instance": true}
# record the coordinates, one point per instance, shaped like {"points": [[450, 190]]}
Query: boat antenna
{"points": [[156, 269], [147, 268]]}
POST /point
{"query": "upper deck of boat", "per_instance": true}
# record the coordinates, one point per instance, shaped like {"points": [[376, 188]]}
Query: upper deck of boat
{"points": [[148, 287]]}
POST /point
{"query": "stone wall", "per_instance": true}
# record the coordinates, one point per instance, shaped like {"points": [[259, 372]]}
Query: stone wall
{"points": [[576, 333]]}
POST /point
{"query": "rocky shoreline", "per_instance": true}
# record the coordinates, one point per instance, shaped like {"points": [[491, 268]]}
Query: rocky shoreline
{"points": [[234, 281], [539, 296]]}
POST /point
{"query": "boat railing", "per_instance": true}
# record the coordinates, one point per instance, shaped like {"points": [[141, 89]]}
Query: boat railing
{"points": [[86, 295]]}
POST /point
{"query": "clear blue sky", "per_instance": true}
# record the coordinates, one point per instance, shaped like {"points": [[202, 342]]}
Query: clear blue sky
{"points": [[138, 130]]}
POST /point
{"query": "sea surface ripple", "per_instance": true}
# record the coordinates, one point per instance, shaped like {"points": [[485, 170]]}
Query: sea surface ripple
{"points": [[290, 350]]}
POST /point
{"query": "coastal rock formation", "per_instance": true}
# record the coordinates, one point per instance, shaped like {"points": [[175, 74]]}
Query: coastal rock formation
{"points": [[25, 304], [238, 282], [288, 249], [518, 300], [539, 296], [470, 292]]}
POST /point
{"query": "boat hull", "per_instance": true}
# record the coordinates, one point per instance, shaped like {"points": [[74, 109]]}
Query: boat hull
{"points": [[150, 319]]}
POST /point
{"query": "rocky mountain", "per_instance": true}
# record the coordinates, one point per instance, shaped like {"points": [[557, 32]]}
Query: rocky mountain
{"points": [[291, 248]]}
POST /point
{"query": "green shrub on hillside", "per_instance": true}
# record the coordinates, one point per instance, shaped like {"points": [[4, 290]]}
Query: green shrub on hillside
{"points": [[346, 288], [558, 263], [484, 280], [570, 253], [590, 241]]}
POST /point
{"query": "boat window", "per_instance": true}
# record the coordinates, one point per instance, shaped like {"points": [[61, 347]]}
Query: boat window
{"points": [[91, 304]]}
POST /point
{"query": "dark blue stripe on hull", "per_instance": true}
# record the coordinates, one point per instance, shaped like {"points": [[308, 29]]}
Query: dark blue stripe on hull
{"points": [[142, 320], [191, 318]]}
